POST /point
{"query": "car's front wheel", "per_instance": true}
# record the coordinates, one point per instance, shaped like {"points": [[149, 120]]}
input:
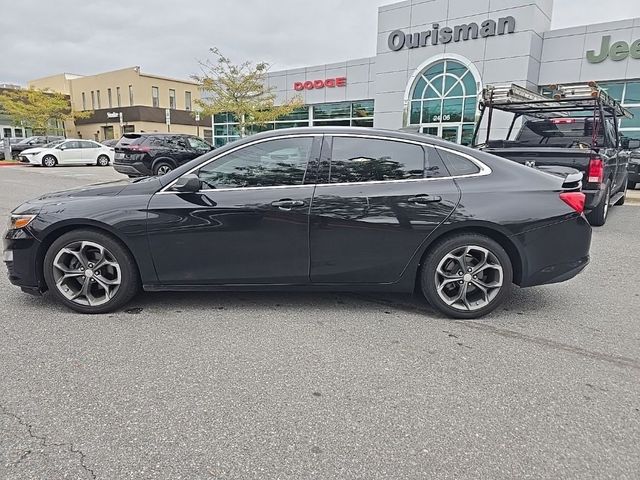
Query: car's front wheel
{"points": [[90, 272], [49, 161], [466, 275]]}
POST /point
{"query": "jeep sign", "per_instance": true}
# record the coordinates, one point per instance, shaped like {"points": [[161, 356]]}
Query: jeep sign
{"points": [[469, 31], [616, 51]]}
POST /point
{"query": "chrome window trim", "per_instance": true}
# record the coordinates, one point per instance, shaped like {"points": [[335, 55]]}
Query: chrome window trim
{"points": [[484, 169]]}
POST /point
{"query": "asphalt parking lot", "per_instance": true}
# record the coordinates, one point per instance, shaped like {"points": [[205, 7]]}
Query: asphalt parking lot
{"points": [[293, 386]]}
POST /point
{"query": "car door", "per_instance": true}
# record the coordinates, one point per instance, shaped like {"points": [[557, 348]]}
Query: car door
{"points": [[249, 222], [90, 151], [376, 202], [70, 152]]}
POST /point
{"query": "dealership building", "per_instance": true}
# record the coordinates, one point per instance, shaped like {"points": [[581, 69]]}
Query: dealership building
{"points": [[433, 57]]}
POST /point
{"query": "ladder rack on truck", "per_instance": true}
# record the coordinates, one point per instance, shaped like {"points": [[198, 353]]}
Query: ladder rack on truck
{"points": [[564, 102]]}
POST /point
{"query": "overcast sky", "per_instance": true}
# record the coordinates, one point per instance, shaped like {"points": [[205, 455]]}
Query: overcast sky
{"points": [[41, 37]]}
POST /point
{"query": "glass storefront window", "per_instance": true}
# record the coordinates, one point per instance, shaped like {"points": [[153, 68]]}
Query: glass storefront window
{"points": [[446, 95], [332, 110], [332, 123], [362, 109], [632, 122], [632, 92], [613, 89]]}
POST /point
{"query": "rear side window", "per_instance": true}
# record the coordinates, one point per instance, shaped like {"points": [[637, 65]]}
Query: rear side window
{"points": [[363, 159], [131, 139], [457, 164]]}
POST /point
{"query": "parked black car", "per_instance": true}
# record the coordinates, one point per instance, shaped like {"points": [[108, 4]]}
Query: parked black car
{"points": [[308, 208], [33, 142], [144, 154]]}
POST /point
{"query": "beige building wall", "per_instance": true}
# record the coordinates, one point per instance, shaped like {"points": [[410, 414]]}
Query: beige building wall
{"points": [[91, 130], [124, 81], [120, 88]]}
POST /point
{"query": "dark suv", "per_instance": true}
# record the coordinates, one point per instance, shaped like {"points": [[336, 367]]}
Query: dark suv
{"points": [[144, 154]]}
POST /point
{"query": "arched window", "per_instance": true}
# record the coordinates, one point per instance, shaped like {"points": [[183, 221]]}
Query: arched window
{"points": [[444, 101]]}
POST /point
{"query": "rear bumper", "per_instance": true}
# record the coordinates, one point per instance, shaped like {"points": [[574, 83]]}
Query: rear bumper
{"points": [[555, 253], [137, 169]]}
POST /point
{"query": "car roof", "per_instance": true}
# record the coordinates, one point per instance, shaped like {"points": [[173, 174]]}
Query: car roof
{"points": [[368, 131]]}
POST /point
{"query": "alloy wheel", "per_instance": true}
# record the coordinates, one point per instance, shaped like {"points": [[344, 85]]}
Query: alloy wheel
{"points": [[49, 161], [468, 278], [86, 273], [164, 169]]}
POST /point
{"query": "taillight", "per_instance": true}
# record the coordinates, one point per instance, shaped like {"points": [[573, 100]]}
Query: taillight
{"points": [[574, 199], [138, 148], [595, 172]]}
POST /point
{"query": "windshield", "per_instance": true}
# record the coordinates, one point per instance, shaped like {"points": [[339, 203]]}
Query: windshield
{"points": [[27, 140], [560, 132], [53, 144]]}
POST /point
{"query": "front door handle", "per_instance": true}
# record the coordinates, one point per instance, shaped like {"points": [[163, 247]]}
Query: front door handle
{"points": [[287, 204], [422, 199]]}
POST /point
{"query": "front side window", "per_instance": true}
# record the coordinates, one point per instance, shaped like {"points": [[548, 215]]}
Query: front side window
{"points": [[86, 144], [266, 164], [70, 145], [364, 159]]}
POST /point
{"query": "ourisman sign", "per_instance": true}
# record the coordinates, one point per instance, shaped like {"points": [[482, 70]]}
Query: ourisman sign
{"points": [[468, 31]]}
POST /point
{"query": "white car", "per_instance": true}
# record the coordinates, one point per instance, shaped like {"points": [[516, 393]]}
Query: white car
{"points": [[69, 152]]}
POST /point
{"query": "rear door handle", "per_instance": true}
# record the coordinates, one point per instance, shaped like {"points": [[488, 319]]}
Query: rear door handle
{"points": [[421, 199], [287, 203]]}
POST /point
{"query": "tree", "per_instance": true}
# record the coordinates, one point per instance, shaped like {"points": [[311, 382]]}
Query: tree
{"points": [[37, 108], [240, 90]]}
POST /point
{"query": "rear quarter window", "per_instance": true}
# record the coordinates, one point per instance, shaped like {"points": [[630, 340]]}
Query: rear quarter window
{"points": [[457, 164]]}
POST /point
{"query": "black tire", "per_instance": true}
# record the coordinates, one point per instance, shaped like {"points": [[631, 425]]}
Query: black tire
{"points": [[474, 308], [129, 278], [103, 161], [631, 185], [162, 168], [598, 216], [49, 161]]}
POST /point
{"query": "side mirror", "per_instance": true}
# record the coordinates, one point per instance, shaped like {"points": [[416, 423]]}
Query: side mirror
{"points": [[188, 183], [61, 147]]}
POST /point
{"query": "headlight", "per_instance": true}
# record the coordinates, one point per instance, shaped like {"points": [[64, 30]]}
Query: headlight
{"points": [[17, 222]]}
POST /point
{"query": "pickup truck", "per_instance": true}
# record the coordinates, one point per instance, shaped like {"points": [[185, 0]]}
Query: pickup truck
{"points": [[577, 129], [567, 142]]}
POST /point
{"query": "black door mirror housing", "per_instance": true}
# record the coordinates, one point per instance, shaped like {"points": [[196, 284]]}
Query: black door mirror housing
{"points": [[188, 183]]}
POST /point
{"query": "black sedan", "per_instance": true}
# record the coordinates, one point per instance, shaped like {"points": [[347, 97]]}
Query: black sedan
{"points": [[311, 208]]}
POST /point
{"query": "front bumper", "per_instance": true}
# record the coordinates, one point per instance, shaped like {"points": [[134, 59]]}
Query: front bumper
{"points": [[555, 253], [20, 255]]}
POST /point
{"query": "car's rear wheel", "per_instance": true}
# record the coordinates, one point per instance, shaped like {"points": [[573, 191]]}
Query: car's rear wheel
{"points": [[466, 275], [49, 161], [162, 168], [90, 272], [598, 216], [103, 161]]}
